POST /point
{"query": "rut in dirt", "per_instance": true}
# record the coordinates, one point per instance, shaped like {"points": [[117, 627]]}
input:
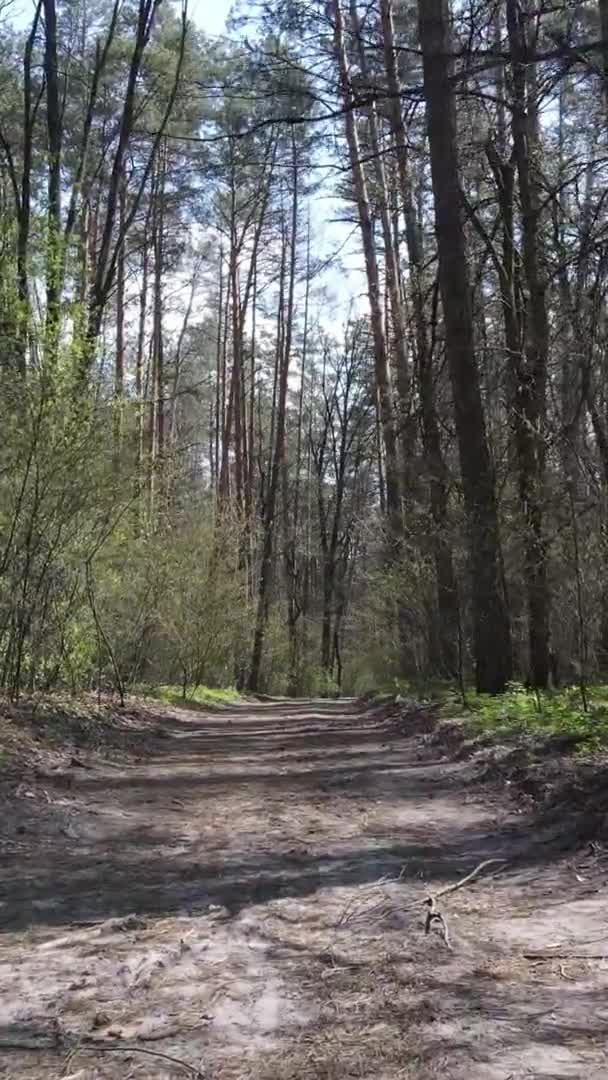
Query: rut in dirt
{"points": [[220, 899]]}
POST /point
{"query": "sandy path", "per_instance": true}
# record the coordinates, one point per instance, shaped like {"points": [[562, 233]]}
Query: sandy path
{"points": [[214, 903]]}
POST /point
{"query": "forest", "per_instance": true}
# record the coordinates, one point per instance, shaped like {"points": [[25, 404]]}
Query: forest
{"points": [[303, 539], [303, 345]]}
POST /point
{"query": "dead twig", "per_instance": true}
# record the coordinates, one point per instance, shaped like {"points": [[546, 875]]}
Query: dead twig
{"points": [[464, 881], [127, 1048], [355, 906], [68, 1061], [564, 956]]}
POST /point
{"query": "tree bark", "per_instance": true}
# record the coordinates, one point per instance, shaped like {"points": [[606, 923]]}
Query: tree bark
{"points": [[140, 393], [530, 401], [387, 418], [492, 640], [447, 593], [391, 265], [219, 420], [54, 123], [294, 607], [157, 389], [24, 200], [277, 453], [119, 360], [603, 12]]}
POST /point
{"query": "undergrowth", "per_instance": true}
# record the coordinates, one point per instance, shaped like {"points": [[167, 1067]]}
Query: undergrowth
{"points": [[522, 711], [550, 713], [203, 696]]}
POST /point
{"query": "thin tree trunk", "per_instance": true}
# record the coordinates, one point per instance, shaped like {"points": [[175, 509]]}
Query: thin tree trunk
{"points": [[83, 257], [54, 135], [225, 430], [283, 359], [331, 548], [177, 363], [24, 199], [251, 428], [159, 270], [412, 230], [603, 11], [391, 261], [236, 389], [447, 592], [280, 340], [532, 378], [119, 363], [157, 381], [141, 341], [387, 419], [294, 610], [379, 454], [219, 420]]}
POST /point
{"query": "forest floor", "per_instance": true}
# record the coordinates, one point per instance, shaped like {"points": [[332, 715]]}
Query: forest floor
{"points": [[243, 891]]}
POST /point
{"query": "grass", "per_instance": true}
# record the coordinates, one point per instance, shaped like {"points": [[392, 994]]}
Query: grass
{"points": [[522, 711], [205, 697], [551, 713]]}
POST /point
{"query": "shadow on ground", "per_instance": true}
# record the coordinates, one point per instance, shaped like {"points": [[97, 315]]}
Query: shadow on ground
{"points": [[172, 834]]}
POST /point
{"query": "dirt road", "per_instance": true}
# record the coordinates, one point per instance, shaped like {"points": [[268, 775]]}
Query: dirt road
{"points": [[216, 903]]}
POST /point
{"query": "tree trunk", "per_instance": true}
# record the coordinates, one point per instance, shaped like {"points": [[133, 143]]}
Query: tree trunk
{"points": [[235, 408], [532, 377], [447, 593], [294, 609], [277, 453], [492, 640], [225, 431], [387, 418], [53, 120], [157, 388], [119, 360], [219, 420], [140, 390], [603, 11], [391, 265], [24, 200]]}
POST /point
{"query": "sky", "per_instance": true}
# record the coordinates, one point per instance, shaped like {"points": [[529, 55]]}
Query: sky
{"points": [[210, 15]]}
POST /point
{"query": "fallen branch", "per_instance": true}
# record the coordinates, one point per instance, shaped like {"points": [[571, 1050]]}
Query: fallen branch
{"points": [[463, 881], [357, 908], [564, 956], [126, 1048], [29, 1044], [435, 916]]}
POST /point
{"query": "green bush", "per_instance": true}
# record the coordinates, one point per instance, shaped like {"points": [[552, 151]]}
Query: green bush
{"points": [[520, 710]]}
